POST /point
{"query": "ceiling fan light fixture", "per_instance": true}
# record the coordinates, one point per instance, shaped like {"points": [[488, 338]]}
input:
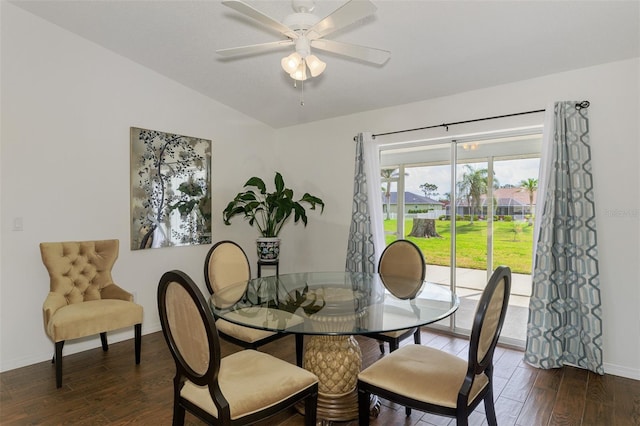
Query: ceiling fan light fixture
{"points": [[302, 28], [300, 73], [316, 66], [291, 63]]}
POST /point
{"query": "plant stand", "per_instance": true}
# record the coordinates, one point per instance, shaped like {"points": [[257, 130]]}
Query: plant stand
{"points": [[268, 263]]}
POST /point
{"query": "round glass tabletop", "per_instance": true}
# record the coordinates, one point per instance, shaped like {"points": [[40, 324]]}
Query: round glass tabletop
{"points": [[333, 303]]}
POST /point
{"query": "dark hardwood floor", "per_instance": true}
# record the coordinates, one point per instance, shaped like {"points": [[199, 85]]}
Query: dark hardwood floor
{"points": [[108, 388]]}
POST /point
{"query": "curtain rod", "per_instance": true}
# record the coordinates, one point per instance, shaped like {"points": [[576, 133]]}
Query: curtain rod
{"points": [[579, 106]]}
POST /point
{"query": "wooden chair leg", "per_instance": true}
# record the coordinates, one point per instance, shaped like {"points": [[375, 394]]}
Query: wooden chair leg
{"points": [[417, 337], [394, 345], [381, 344], [58, 361], [490, 409], [103, 339], [311, 409], [462, 420], [178, 414], [138, 341], [364, 399], [299, 349]]}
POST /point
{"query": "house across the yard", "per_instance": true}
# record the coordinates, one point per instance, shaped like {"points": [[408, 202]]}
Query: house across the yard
{"points": [[413, 204], [509, 201]]}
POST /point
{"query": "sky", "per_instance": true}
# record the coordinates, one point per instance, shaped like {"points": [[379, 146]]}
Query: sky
{"points": [[506, 172]]}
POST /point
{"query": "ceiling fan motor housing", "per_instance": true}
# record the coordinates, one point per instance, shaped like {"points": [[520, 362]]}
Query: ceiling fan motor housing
{"points": [[300, 22]]}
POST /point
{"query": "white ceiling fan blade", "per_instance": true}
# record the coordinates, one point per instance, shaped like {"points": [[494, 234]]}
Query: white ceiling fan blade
{"points": [[367, 54], [348, 13], [251, 12], [254, 48]]}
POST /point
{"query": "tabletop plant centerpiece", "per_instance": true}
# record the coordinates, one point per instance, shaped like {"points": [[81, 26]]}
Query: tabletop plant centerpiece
{"points": [[269, 211]]}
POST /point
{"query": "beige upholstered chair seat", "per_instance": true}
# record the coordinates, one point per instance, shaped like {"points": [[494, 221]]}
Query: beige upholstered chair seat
{"points": [[394, 334], [92, 317], [250, 381], [245, 334], [260, 317], [422, 373]]}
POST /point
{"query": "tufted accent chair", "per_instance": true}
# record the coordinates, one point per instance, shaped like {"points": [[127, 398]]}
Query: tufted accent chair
{"points": [[83, 299]]}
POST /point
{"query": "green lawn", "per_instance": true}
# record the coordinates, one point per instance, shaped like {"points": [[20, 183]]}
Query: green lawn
{"points": [[512, 244]]}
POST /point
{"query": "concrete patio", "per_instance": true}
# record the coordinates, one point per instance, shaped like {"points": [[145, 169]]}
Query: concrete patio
{"points": [[469, 286]]}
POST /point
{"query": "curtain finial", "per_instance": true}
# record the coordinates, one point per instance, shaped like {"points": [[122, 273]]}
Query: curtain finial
{"points": [[583, 104]]}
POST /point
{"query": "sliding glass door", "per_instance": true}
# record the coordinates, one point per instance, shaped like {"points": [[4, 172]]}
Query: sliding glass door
{"points": [[468, 204]]}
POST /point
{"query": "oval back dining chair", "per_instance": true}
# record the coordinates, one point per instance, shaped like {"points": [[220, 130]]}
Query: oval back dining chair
{"points": [[240, 389], [227, 263], [432, 380], [401, 259]]}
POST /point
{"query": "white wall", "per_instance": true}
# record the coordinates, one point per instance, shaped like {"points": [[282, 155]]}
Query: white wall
{"points": [[67, 106], [324, 158]]}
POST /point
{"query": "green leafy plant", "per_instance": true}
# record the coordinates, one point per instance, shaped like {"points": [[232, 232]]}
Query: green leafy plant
{"points": [[269, 211]]}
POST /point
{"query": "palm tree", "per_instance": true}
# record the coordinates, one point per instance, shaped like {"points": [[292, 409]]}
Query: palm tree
{"points": [[387, 175], [531, 186], [473, 185]]}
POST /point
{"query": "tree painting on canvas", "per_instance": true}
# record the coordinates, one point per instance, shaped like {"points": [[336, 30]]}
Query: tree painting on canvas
{"points": [[170, 190]]}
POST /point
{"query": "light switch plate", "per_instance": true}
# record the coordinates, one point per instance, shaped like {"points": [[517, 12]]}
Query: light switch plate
{"points": [[17, 224]]}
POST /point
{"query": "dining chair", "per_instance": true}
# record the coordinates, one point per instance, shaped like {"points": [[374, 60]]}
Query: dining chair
{"points": [[83, 300], [240, 389], [435, 381], [227, 263], [401, 259]]}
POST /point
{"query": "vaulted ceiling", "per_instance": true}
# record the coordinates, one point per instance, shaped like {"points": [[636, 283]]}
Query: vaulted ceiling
{"points": [[438, 48]]}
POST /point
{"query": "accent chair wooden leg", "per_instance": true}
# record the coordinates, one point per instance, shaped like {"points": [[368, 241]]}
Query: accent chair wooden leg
{"points": [[103, 339], [299, 349], [138, 341], [58, 361], [381, 344]]}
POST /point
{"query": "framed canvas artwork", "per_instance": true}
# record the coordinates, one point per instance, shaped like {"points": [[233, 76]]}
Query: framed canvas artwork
{"points": [[170, 190]]}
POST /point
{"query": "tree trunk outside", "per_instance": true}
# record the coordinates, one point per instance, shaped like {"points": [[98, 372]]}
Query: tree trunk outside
{"points": [[424, 228]]}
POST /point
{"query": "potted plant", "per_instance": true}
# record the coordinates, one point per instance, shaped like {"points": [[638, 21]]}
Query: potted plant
{"points": [[269, 211]]}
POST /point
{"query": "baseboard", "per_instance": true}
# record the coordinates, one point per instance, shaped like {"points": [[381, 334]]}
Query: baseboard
{"points": [[618, 370], [78, 345]]}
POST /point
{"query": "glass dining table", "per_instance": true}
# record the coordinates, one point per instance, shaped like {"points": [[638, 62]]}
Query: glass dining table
{"points": [[331, 308]]}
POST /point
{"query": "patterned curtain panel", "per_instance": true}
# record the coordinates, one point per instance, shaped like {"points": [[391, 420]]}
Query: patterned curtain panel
{"points": [[565, 313], [365, 233]]}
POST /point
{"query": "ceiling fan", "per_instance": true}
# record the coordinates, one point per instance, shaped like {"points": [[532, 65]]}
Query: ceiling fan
{"points": [[304, 30]]}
